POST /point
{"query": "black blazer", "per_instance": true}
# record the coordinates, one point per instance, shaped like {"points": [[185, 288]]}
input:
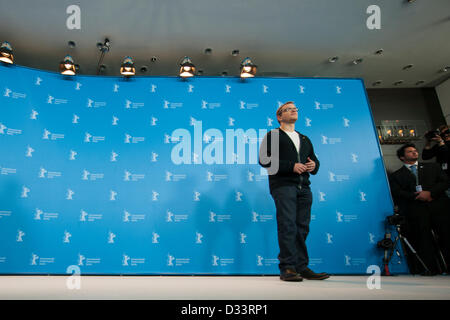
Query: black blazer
{"points": [[288, 156], [403, 184]]}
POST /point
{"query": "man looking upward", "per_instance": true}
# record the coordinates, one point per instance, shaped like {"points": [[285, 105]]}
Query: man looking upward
{"points": [[294, 160]]}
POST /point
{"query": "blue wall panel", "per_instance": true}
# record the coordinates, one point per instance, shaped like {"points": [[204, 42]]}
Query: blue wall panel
{"points": [[90, 174]]}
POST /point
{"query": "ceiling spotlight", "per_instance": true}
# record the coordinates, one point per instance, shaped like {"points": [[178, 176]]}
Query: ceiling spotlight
{"points": [[445, 69], [187, 69], [6, 53], [333, 59], [418, 83], [376, 83], [224, 73], [71, 44], [398, 82], [379, 52], [67, 66], [409, 66], [144, 69], [153, 59], [248, 69], [127, 68], [357, 61], [208, 51], [235, 53]]}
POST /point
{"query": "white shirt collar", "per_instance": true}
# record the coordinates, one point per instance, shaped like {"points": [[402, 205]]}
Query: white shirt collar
{"points": [[414, 164]]}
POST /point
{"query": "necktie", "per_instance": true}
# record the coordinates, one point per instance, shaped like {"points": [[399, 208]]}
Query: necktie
{"points": [[413, 169]]}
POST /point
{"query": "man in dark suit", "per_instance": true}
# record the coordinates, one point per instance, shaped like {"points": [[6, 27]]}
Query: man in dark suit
{"points": [[289, 157], [418, 190]]}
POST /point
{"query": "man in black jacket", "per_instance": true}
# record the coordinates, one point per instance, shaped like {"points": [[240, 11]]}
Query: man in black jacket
{"points": [[441, 149], [289, 158], [418, 190]]}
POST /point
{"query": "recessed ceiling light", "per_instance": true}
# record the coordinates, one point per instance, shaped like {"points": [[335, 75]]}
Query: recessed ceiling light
{"points": [[235, 53], [153, 59], [357, 61], [224, 73], [407, 67], [379, 51], [208, 51], [144, 69], [200, 72], [333, 59], [399, 82], [376, 83], [418, 83], [71, 44], [445, 69]]}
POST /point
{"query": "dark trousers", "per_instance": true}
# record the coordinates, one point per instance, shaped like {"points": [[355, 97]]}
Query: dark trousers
{"points": [[293, 207], [423, 217]]}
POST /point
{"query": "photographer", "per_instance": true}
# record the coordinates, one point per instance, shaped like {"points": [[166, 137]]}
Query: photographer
{"points": [[440, 149], [418, 189]]}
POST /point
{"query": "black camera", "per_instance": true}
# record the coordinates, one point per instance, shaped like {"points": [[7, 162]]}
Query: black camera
{"points": [[386, 243], [396, 219], [431, 134], [444, 133]]}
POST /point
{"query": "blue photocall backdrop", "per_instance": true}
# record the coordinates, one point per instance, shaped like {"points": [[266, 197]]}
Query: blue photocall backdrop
{"points": [[156, 175]]}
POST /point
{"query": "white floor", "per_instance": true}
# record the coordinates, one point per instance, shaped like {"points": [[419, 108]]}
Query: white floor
{"points": [[221, 288]]}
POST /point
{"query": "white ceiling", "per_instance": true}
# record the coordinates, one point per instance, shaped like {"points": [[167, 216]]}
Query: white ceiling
{"points": [[292, 38]]}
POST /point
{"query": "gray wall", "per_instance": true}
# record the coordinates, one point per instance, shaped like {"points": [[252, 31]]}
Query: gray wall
{"points": [[404, 104], [443, 92]]}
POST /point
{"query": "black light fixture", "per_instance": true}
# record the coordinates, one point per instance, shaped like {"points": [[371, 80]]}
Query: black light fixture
{"points": [[127, 68], [248, 69], [104, 49], [357, 61], [333, 59], [67, 66], [397, 83], [187, 68], [6, 53]]}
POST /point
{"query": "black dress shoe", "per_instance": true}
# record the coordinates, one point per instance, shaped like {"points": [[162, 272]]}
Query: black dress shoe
{"points": [[290, 275], [311, 275]]}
